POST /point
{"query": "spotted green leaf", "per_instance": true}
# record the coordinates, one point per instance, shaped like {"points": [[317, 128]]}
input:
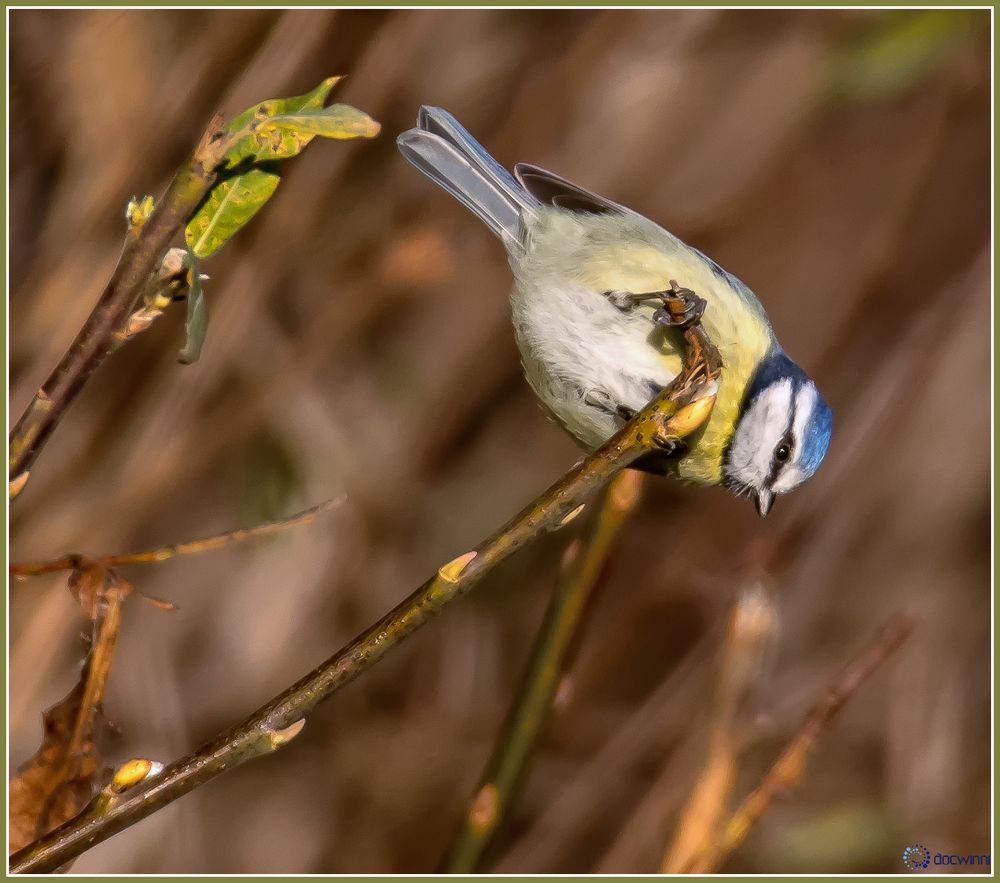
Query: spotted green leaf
{"points": [[336, 121], [196, 323], [266, 143], [275, 129], [231, 203]]}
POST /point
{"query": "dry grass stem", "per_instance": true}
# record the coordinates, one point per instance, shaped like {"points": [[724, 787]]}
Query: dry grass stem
{"points": [[581, 568], [192, 547], [788, 768], [752, 627]]}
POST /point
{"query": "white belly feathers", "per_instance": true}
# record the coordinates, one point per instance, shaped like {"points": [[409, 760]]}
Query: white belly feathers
{"points": [[584, 357]]}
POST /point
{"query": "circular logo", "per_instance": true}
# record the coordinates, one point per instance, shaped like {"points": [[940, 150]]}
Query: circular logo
{"points": [[916, 857]]}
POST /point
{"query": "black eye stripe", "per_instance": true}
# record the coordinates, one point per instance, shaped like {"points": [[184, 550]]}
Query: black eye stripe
{"points": [[785, 441]]}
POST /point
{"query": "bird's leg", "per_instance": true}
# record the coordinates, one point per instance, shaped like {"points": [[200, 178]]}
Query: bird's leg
{"points": [[670, 445], [680, 307], [626, 301], [605, 403]]}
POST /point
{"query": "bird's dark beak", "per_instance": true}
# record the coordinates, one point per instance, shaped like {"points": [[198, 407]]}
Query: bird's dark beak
{"points": [[764, 499]]}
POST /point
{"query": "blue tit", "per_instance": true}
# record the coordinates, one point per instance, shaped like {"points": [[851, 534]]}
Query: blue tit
{"points": [[585, 273]]}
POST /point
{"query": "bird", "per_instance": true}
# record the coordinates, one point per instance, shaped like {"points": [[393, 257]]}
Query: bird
{"points": [[587, 307]]}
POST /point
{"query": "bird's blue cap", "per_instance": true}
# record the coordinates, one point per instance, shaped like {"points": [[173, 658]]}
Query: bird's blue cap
{"points": [[778, 366], [817, 436]]}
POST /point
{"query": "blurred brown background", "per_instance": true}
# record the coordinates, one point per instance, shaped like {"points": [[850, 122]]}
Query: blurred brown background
{"points": [[839, 162]]}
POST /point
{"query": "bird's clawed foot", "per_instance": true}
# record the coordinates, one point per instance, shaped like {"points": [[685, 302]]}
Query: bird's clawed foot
{"points": [[678, 307], [671, 445], [681, 308]]}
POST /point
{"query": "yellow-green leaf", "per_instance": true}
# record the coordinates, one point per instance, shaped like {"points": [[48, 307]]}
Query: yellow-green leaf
{"points": [[275, 129], [262, 144], [196, 323], [335, 121], [231, 203]]}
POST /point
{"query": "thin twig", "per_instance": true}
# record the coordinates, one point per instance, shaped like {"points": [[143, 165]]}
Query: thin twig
{"points": [[752, 625], [140, 257], [528, 712], [192, 547], [788, 768], [679, 410]]}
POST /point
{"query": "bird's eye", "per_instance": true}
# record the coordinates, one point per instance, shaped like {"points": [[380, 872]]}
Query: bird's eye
{"points": [[782, 452]]}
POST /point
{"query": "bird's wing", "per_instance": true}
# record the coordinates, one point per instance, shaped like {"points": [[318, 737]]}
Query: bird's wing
{"points": [[554, 190], [551, 189]]}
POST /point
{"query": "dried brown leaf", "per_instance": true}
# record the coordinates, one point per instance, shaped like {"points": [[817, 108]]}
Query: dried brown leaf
{"points": [[59, 780], [64, 774]]}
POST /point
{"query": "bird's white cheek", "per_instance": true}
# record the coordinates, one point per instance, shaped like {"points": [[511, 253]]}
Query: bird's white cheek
{"points": [[760, 429], [790, 478], [747, 462]]}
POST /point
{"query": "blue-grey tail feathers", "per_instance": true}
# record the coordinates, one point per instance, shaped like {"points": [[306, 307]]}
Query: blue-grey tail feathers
{"points": [[445, 152]]}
